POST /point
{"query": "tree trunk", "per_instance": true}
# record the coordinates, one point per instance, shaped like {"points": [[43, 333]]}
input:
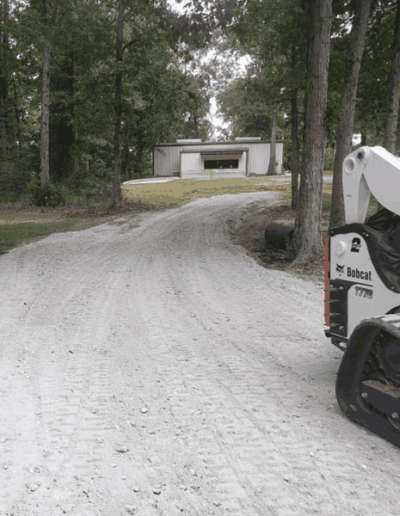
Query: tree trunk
{"points": [[308, 239], [196, 128], [44, 138], [125, 154], [363, 139], [348, 107], [272, 159], [294, 158], [74, 117], [4, 51], [17, 119], [394, 90], [117, 195]]}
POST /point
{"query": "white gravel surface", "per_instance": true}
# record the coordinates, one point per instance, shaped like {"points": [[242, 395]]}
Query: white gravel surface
{"points": [[150, 367]]}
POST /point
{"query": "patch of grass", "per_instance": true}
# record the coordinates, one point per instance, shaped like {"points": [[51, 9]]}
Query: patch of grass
{"points": [[176, 193], [16, 234], [326, 198]]}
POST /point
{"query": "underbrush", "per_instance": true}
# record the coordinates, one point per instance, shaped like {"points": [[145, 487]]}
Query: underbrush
{"points": [[88, 192]]}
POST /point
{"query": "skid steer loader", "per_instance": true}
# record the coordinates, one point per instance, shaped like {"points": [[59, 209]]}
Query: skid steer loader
{"points": [[362, 293]]}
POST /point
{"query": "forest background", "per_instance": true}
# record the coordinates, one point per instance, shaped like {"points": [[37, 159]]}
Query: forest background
{"points": [[87, 87]]}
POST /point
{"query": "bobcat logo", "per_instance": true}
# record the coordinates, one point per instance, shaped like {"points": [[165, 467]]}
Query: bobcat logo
{"points": [[339, 268]]}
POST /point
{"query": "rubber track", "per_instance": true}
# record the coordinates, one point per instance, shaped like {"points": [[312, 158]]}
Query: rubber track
{"points": [[350, 375]]}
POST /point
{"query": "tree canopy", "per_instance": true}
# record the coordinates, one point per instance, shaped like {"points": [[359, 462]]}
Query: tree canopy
{"points": [[160, 94]]}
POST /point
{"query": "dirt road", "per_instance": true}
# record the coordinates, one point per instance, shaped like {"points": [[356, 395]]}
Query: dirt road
{"points": [[150, 367]]}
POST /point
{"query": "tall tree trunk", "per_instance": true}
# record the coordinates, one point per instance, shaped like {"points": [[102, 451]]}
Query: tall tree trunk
{"points": [[45, 122], [4, 51], [272, 159], [308, 239], [125, 154], [348, 107], [394, 90], [117, 195], [74, 117], [294, 158], [44, 137], [17, 119]]}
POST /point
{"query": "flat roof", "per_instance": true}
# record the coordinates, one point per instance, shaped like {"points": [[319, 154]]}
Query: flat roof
{"points": [[222, 152], [215, 152], [215, 143]]}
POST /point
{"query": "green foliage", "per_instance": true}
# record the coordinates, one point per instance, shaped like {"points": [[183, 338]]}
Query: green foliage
{"points": [[372, 95], [14, 173], [52, 196], [82, 36], [274, 35]]}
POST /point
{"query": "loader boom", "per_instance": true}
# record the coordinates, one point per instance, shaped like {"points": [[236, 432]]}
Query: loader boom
{"points": [[370, 170]]}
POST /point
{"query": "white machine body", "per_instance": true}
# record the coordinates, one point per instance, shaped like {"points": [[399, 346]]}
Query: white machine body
{"points": [[367, 296], [354, 289], [362, 293]]}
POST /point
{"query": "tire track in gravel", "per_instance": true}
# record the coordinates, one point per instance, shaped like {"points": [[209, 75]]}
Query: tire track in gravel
{"points": [[163, 372]]}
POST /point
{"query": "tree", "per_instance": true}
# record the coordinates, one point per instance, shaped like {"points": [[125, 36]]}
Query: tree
{"points": [[294, 158], [4, 93], [44, 138], [308, 240], [243, 107], [390, 140], [372, 93], [196, 96], [117, 195], [44, 134], [275, 36], [272, 159], [103, 86], [348, 106]]}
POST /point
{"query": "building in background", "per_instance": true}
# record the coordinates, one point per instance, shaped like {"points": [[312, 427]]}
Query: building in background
{"points": [[193, 159]]}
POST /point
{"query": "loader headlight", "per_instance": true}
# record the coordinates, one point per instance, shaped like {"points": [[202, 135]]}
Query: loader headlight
{"points": [[340, 248]]}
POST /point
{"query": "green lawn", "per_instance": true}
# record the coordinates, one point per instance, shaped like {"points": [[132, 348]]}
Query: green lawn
{"points": [[13, 235]]}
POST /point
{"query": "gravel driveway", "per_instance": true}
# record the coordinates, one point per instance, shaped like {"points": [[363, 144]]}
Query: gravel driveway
{"points": [[150, 367]]}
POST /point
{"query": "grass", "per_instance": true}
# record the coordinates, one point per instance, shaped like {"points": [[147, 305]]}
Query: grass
{"points": [[12, 235], [176, 193]]}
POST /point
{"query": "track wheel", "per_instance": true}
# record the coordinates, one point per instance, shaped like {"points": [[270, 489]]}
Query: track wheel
{"points": [[367, 386]]}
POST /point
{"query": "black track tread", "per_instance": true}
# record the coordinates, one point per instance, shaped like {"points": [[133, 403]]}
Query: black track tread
{"points": [[350, 371]]}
